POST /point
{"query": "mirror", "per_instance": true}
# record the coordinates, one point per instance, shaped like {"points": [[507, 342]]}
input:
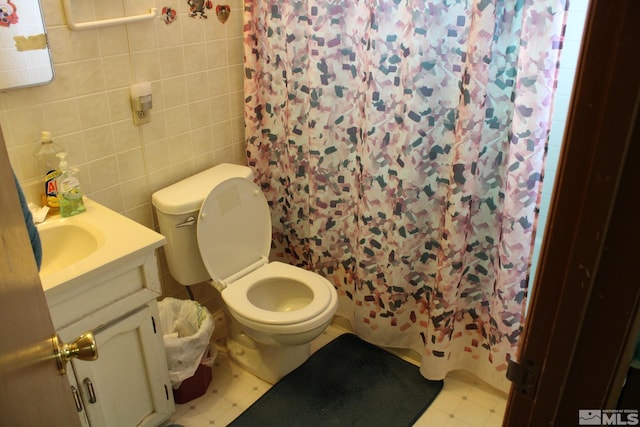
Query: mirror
{"points": [[25, 59]]}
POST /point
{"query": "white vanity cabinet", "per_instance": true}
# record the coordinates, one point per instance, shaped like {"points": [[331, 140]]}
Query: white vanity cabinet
{"points": [[128, 385]]}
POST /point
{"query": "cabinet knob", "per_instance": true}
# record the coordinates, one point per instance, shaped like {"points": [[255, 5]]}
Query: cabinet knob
{"points": [[83, 348]]}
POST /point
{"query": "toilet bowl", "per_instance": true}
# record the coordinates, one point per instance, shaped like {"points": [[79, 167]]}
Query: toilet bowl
{"points": [[281, 304], [218, 228]]}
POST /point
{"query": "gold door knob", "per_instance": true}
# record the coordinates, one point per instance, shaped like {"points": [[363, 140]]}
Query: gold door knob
{"points": [[83, 348]]}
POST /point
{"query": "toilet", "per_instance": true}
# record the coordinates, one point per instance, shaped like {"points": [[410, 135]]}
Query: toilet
{"points": [[218, 229]]}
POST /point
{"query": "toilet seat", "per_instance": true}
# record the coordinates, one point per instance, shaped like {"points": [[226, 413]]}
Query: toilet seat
{"points": [[237, 296]]}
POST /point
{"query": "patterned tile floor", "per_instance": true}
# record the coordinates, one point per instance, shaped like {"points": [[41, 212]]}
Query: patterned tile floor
{"points": [[463, 402]]}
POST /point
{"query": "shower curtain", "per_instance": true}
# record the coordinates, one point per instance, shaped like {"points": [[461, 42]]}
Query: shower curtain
{"points": [[401, 146]]}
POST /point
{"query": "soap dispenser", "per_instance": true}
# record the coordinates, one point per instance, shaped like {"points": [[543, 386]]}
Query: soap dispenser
{"points": [[69, 194]]}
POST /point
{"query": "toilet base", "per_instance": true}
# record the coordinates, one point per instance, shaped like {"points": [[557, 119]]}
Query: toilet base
{"points": [[267, 362]]}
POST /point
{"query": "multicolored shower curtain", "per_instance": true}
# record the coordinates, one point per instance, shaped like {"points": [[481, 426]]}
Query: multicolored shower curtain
{"points": [[401, 145]]}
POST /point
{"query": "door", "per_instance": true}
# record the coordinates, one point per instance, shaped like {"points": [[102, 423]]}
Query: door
{"points": [[577, 341], [32, 392], [122, 387]]}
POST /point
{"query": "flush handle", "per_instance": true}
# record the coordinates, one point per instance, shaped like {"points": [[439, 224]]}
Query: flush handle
{"points": [[83, 348], [187, 222]]}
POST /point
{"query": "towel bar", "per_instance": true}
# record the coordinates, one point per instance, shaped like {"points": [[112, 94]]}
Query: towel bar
{"points": [[76, 26]]}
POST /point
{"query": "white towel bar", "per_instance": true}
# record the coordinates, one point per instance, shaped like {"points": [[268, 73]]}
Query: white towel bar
{"points": [[76, 26]]}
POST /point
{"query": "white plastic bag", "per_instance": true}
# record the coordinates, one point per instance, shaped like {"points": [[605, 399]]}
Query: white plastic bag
{"points": [[187, 327]]}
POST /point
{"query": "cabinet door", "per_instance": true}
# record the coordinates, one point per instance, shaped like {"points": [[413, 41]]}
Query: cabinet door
{"points": [[128, 385]]}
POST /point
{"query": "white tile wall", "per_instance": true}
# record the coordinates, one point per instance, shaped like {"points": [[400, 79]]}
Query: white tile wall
{"points": [[568, 63], [195, 69]]}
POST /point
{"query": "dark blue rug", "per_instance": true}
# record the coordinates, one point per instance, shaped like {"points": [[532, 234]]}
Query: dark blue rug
{"points": [[348, 382]]}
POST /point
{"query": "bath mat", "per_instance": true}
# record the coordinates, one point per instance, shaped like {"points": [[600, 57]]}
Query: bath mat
{"points": [[348, 382]]}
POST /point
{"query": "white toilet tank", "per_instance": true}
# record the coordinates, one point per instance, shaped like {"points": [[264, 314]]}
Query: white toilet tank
{"points": [[177, 207]]}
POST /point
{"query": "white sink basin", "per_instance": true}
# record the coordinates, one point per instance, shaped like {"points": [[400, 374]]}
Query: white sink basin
{"points": [[64, 244], [93, 240]]}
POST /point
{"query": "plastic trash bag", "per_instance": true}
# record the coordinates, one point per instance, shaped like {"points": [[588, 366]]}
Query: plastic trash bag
{"points": [[187, 327]]}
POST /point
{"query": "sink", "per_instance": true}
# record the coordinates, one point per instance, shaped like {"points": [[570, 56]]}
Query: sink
{"points": [[64, 244], [88, 244]]}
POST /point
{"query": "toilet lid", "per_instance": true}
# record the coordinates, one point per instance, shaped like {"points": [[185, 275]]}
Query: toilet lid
{"points": [[234, 228]]}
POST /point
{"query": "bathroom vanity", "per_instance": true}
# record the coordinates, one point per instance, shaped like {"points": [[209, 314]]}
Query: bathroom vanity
{"points": [[100, 274]]}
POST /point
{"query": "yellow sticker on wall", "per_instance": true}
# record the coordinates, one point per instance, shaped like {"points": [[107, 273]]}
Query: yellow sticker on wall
{"points": [[36, 42]]}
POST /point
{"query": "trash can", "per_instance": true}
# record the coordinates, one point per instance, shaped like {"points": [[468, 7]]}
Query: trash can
{"points": [[187, 327]]}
